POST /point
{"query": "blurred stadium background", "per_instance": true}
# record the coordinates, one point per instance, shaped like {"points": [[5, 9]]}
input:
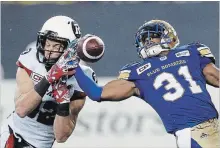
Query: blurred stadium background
{"points": [[132, 123]]}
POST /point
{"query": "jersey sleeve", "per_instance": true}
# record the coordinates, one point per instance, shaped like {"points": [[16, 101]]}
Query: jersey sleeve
{"points": [[205, 55], [128, 72]]}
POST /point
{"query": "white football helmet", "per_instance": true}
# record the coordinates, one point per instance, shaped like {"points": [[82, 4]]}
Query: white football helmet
{"points": [[155, 29], [61, 29]]}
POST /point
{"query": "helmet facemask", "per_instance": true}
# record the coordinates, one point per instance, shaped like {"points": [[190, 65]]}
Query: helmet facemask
{"points": [[42, 37]]}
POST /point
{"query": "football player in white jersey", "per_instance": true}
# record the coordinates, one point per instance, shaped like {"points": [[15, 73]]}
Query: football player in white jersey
{"points": [[46, 106]]}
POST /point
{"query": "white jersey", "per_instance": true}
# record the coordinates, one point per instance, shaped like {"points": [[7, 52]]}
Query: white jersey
{"points": [[37, 127]]}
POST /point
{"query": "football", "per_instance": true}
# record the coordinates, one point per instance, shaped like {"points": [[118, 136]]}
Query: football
{"points": [[90, 48]]}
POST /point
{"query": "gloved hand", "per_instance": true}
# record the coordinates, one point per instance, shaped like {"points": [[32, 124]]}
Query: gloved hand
{"points": [[61, 92], [65, 65]]}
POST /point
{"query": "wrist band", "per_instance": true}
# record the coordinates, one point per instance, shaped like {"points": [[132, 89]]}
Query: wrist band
{"points": [[63, 109], [42, 87]]}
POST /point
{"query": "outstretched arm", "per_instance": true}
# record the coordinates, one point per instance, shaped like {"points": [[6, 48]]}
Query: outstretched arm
{"points": [[113, 91], [117, 90], [211, 73]]}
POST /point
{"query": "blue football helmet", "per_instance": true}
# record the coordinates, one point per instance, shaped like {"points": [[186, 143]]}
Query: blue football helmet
{"points": [[155, 29]]}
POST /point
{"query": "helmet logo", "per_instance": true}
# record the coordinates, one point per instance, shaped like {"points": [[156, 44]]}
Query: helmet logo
{"points": [[76, 29]]}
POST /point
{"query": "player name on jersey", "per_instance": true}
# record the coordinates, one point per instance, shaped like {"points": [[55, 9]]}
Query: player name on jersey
{"points": [[176, 63]]}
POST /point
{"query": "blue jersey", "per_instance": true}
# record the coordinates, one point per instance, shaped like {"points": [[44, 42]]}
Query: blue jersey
{"points": [[174, 85]]}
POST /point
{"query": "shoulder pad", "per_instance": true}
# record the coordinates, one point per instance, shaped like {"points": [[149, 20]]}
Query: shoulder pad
{"points": [[89, 72], [190, 45], [130, 65], [29, 47], [28, 55], [203, 50], [197, 45], [127, 71]]}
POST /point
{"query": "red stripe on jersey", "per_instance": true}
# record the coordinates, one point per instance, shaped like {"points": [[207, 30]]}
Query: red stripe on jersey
{"points": [[18, 63], [10, 142]]}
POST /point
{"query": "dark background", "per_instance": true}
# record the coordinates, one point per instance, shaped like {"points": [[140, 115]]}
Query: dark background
{"points": [[115, 22]]}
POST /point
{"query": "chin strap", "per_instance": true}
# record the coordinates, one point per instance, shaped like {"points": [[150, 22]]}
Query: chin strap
{"points": [[152, 51], [48, 67]]}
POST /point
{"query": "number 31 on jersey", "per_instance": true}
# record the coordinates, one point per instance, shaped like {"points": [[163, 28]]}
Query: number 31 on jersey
{"points": [[174, 84]]}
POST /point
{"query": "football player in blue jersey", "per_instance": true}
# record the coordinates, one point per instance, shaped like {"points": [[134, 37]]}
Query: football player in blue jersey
{"points": [[172, 79]]}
